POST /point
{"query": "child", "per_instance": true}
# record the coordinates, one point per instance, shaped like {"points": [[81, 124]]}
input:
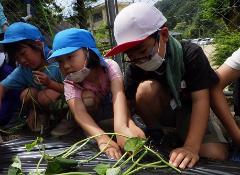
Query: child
{"points": [[93, 87], [11, 101], [173, 78], [227, 73], [39, 81]]}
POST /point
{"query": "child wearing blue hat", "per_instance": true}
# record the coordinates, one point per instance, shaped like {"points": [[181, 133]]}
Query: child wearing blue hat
{"points": [[38, 80], [93, 88]]}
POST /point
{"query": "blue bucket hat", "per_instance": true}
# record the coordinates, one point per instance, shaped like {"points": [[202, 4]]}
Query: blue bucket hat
{"points": [[21, 31], [70, 40]]}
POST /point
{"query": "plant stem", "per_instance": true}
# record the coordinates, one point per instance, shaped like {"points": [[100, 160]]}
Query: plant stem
{"points": [[71, 151], [74, 173], [135, 163], [165, 162], [39, 164], [153, 163], [126, 161], [92, 137], [120, 159], [100, 152], [139, 168]]}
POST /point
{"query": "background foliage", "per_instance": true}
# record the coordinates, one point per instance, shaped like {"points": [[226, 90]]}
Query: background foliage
{"points": [[218, 19]]}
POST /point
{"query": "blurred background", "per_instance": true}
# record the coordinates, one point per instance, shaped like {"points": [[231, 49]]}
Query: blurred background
{"points": [[212, 24]]}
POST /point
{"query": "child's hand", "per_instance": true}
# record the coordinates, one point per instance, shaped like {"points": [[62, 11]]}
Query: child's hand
{"points": [[183, 157], [131, 131], [111, 149], [41, 78]]}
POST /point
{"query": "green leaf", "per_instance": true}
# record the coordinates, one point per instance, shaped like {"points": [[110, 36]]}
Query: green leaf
{"points": [[16, 167], [101, 169], [59, 165], [30, 146], [17, 163], [14, 171], [134, 144], [113, 171], [36, 173]]}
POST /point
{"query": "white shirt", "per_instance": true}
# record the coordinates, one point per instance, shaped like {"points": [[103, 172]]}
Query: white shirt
{"points": [[234, 60]]}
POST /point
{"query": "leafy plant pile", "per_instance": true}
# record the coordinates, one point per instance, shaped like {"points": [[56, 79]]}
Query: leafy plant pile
{"points": [[131, 162]]}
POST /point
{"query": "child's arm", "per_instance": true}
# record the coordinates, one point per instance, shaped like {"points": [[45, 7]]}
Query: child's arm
{"points": [[187, 155], [56, 86], [46, 81], [2, 92], [122, 122], [91, 128], [219, 104]]}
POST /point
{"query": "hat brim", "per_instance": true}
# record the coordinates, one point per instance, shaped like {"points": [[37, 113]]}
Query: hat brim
{"points": [[6, 41], [61, 52], [123, 47]]}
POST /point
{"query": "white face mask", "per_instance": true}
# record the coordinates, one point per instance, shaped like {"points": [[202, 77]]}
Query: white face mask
{"points": [[153, 64], [78, 76]]}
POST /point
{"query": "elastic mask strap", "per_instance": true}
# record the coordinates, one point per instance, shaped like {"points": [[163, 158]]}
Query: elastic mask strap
{"points": [[158, 38], [86, 59]]}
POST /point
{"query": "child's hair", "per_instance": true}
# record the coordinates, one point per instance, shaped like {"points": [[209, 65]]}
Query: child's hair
{"points": [[13, 48], [155, 35], [93, 59]]}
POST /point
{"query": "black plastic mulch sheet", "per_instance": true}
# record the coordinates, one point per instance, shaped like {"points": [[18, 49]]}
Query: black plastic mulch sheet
{"points": [[53, 146]]}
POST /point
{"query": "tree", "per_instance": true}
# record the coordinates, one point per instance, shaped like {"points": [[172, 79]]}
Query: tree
{"points": [[227, 10], [81, 11], [227, 39], [102, 37], [46, 14], [185, 16]]}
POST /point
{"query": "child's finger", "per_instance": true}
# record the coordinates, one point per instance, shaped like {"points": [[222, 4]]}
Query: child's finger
{"points": [[193, 161], [110, 153], [118, 154], [38, 73], [173, 156], [113, 153], [185, 161], [37, 80], [180, 157]]}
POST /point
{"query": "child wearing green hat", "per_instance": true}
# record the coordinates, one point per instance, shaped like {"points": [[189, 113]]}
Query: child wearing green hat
{"points": [[93, 88], [38, 80]]}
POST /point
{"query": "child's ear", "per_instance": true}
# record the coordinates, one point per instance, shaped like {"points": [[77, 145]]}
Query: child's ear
{"points": [[39, 43], [164, 34]]}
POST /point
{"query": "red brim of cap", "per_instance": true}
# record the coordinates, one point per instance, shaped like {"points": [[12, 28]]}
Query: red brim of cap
{"points": [[123, 47]]}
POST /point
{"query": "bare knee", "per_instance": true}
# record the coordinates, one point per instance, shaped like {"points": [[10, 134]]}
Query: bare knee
{"points": [[151, 91], [28, 94], [45, 97], [216, 151], [146, 90]]}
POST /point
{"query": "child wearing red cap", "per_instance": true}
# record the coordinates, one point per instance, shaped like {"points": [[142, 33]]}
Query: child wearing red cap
{"points": [[168, 83]]}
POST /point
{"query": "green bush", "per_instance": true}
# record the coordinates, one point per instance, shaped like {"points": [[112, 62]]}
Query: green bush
{"points": [[226, 43]]}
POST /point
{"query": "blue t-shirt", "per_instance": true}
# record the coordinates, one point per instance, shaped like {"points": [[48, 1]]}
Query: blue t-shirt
{"points": [[22, 77]]}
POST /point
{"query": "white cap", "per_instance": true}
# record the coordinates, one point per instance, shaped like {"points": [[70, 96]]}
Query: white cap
{"points": [[2, 58], [134, 24]]}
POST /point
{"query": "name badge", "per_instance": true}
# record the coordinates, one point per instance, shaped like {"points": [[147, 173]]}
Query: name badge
{"points": [[173, 104]]}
